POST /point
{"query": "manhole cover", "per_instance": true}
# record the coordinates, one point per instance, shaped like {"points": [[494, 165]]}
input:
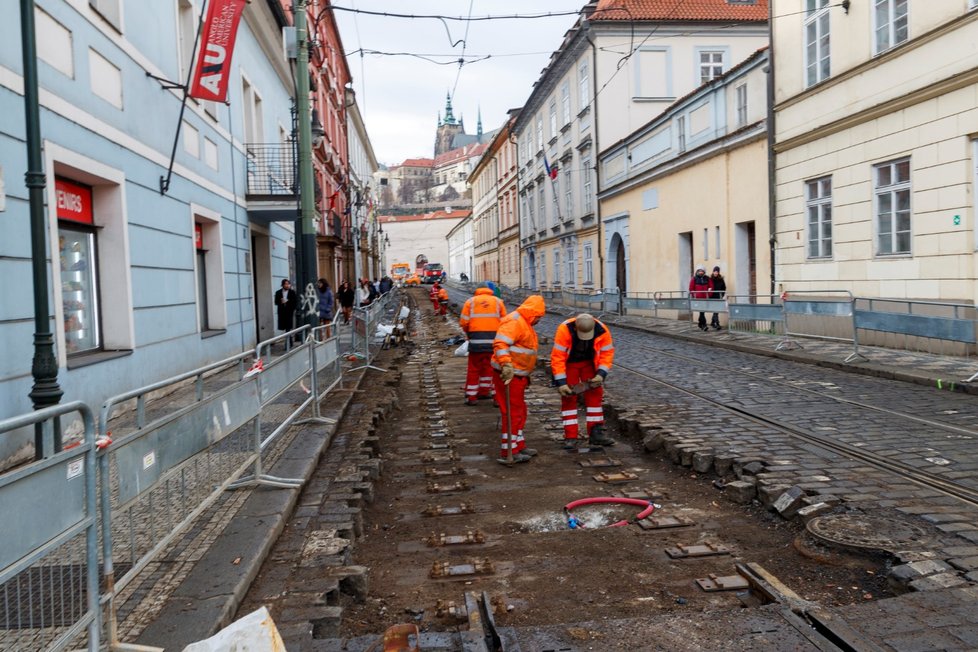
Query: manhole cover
{"points": [[861, 531]]}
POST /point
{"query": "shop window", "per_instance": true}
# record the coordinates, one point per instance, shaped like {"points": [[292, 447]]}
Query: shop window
{"points": [[77, 247]]}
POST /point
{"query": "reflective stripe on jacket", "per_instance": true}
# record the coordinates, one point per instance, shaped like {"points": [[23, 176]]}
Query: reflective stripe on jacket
{"points": [[565, 340], [480, 318], [516, 341]]}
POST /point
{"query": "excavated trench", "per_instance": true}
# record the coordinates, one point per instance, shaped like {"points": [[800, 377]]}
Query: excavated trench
{"points": [[447, 520]]}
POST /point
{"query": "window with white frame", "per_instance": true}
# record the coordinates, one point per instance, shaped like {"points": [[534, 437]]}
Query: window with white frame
{"points": [[186, 34], [588, 264], [557, 267], [890, 19], [892, 199], [539, 132], [711, 65], [565, 109], [528, 210], [742, 105], [553, 118], [586, 184], [110, 10], [817, 42], [583, 86], [568, 195], [571, 261], [681, 133], [706, 244], [818, 205], [543, 268], [716, 241], [542, 206]]}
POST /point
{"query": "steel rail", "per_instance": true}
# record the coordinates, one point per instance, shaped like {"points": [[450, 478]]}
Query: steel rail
{"points": [[923, 420], [965, 494]]}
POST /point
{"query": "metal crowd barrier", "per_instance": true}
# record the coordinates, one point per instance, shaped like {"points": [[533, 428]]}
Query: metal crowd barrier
{"points": [[817, 314], [951, 322], [640, 301], [763, 313], [156, 479], [49, 551], [677, 300], [365, 323]]}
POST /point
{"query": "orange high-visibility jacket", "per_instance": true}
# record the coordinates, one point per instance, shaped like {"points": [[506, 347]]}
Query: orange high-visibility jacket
{"points": [[602, 350], [442, 294], [516, 341], [480, 318]]}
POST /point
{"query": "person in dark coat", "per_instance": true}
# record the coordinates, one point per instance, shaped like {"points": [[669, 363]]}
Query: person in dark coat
{"points": [[286, 302], [701, 287], [346, 296], [719, 292]]}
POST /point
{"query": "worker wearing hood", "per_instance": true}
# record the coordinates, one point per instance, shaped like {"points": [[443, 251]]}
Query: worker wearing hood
{"points": [[514, 358]]}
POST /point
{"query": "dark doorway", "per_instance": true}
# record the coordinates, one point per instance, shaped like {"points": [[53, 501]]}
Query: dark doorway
{"points": [[621, 273], [752, 257]]}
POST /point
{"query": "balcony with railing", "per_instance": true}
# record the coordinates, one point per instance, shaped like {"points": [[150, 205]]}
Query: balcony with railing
{"points": [[271, 171]]}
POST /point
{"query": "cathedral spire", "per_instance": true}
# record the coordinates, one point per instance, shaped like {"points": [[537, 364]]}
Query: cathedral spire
{"points": [[449, 118], [478, 126]]}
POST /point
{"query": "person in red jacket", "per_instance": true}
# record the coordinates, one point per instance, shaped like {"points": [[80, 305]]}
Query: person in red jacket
{"points": [[580, 360], [701, 287]]}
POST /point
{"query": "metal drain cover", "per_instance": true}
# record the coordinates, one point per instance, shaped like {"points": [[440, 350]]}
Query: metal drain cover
{"points": [[863, 531]]}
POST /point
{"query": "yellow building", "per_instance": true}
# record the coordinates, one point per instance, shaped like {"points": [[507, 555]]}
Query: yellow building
{"points": [[690, 188], [876, 112]]}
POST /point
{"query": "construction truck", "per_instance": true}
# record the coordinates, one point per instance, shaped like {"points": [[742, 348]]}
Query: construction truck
{"points": [[400, 271]]}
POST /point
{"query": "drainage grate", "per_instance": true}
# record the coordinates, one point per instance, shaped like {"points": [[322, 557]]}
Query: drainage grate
{"points": [[889, 533]]}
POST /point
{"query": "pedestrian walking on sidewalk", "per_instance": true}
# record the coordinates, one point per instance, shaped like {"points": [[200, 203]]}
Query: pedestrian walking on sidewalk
{"points": [[513, 360], [286, 302], [325, 304], [581, 358], [480, 319], [346, 296], [700, 287], [719, 292]]}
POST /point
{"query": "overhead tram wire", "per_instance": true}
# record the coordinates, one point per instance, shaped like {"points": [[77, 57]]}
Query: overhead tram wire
{"points": [[465, 43]]}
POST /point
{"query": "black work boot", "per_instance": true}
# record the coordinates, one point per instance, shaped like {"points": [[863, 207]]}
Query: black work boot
{"points": [[598, 437]]}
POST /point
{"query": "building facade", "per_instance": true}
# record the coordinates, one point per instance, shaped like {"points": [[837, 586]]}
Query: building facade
{"points": [[621, 64], [875, 148], [460, 250], [361, 185], [143, 285], [421, 236], [691, 188]]}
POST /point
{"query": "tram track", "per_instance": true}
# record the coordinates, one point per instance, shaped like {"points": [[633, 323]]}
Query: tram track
{"points": [[922, 478]]}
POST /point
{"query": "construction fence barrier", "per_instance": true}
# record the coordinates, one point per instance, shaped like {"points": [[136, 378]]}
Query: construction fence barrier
{"points": [[49, 567]]}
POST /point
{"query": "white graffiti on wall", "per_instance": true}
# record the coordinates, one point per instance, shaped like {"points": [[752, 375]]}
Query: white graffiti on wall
{"points": [[310, 301]]}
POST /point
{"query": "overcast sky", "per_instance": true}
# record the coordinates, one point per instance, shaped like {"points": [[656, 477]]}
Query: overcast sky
{"points": [[400, 96]]}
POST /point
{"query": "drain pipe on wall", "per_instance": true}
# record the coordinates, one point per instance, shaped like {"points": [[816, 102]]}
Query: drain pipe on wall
{"points": [[772, 189]]}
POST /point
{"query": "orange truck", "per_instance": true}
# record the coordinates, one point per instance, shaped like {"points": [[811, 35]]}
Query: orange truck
{"points": [[400, 271]]}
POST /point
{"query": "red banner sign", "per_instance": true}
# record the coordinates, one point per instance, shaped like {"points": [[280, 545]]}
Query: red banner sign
{"points": [[213, 67], [74, 202], [198, 236]]}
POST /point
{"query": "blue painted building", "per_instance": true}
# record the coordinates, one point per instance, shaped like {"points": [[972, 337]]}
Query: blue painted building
{"points": [[143, 285]]}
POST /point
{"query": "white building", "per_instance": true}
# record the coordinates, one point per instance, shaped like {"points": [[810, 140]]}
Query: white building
{"points": [[460, 250], [413, 237]]}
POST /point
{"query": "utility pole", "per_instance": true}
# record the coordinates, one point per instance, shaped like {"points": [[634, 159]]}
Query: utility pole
{"points": [[305, 227], [44, 367]]}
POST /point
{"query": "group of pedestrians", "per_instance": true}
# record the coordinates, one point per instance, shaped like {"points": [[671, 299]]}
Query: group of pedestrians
{"points": [[702, 286], [503, 351], [287, 301]]}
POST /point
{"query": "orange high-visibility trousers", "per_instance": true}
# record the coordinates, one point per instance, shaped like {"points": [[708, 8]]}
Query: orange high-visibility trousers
{"points": [[517, 388], [578, 372], [478, 377]]}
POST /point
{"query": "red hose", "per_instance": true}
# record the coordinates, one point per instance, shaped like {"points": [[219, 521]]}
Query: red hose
{"points": [[649, 507]]}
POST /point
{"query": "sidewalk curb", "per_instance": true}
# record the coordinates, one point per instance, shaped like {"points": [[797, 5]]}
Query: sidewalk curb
{"points": [[209, 597], [866, 369]]}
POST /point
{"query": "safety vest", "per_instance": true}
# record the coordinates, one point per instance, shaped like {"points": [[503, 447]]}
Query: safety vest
{"points": [[443, 295], [566, 341], [480, 318], [516, 341]]}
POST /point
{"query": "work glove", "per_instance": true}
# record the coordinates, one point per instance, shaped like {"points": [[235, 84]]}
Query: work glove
{"points": [[597, 381], [566, 390], [507, 373]]}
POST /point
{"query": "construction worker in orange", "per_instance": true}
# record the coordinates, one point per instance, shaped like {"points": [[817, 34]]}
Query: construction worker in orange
{"points": [[513, 359], [442, 297], [480, 318], [581, 358]]}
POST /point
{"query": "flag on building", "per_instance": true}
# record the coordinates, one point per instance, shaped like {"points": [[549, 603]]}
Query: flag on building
{"points": [[551, 171], [213, 68]]}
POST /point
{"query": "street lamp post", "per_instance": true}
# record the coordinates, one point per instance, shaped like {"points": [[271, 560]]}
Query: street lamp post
{"points": [[305, 232], [44, 367]]}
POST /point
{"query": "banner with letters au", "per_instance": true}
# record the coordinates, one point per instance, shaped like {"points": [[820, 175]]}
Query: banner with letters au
{"points": [[213, 66]]}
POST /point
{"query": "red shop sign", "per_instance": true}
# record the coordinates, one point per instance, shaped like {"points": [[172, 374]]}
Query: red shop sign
{"points": [[198, 236], [74, 201]]}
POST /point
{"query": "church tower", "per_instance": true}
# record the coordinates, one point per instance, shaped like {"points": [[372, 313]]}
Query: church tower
{"points": [[447, 128]]}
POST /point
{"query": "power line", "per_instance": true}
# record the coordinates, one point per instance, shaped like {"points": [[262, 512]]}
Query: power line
{"points": [[470, 18]]}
